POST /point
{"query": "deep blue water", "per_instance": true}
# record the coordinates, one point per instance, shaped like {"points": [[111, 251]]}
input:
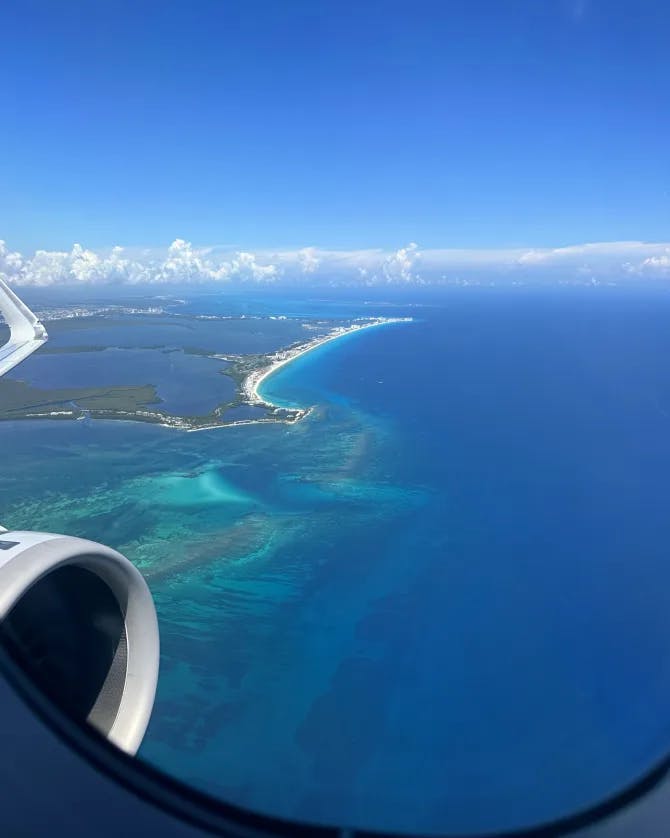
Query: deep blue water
{"points": [[440, 603], [525, 643]]}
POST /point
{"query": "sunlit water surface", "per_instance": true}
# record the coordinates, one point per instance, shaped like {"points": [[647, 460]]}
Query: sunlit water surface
{"points": [[440, 603]]}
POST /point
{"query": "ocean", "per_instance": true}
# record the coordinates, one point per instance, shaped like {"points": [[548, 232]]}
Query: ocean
{"points": [[440, 602]]}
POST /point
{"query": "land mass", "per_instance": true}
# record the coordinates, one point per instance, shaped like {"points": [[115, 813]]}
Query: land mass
{"points": [[141, 403]]}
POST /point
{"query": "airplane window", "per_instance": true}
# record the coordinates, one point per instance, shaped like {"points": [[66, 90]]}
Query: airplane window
{"points": [[350, 603], [401, 508]]}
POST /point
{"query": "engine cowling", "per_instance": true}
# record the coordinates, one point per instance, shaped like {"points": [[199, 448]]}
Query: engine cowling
{"points": [[79, 619]]}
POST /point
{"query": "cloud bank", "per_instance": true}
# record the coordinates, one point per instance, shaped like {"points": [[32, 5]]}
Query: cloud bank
{"points": [[182, 263]]}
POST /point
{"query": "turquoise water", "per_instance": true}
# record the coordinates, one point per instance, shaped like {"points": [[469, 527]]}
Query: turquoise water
{"points": [[440, 602], [299, 383]]}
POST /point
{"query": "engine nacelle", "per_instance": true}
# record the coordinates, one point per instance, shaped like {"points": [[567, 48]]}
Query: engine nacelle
{"points": [[79, 619]]}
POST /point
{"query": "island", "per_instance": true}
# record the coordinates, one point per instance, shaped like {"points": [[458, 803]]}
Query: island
{"points": [[141, 403]]}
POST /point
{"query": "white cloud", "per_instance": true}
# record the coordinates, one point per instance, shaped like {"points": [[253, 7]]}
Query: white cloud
{"points": [[400, 265], [657, 265], [10, 261], [182, 262], [308, 259], [245, 267]]}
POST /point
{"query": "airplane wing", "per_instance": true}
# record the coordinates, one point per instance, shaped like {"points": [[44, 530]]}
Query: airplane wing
{"points": [[26, 333]]}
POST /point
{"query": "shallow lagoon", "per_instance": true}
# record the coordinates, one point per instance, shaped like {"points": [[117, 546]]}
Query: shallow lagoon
{"points": [[186, 384]]}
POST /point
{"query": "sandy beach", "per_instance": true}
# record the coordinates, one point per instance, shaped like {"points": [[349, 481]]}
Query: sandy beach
{"points": [[252, 383]]}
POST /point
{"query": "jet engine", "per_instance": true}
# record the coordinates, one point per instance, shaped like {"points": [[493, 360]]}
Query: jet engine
{"points": [[79, 620]]}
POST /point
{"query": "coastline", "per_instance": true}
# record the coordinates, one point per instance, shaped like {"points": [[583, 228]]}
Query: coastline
{"points": [[251, 384], [133, 403], [270, 420]]}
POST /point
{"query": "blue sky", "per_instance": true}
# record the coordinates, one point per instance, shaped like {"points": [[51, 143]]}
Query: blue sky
{"points": [[471, 124]]}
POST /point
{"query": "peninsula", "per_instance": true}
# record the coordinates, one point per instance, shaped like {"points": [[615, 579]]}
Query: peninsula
{"points": [[250, 387], [19, 400]]}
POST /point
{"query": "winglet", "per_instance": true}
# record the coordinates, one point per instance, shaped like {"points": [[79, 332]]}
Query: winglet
{"points": [[26, 333]]}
